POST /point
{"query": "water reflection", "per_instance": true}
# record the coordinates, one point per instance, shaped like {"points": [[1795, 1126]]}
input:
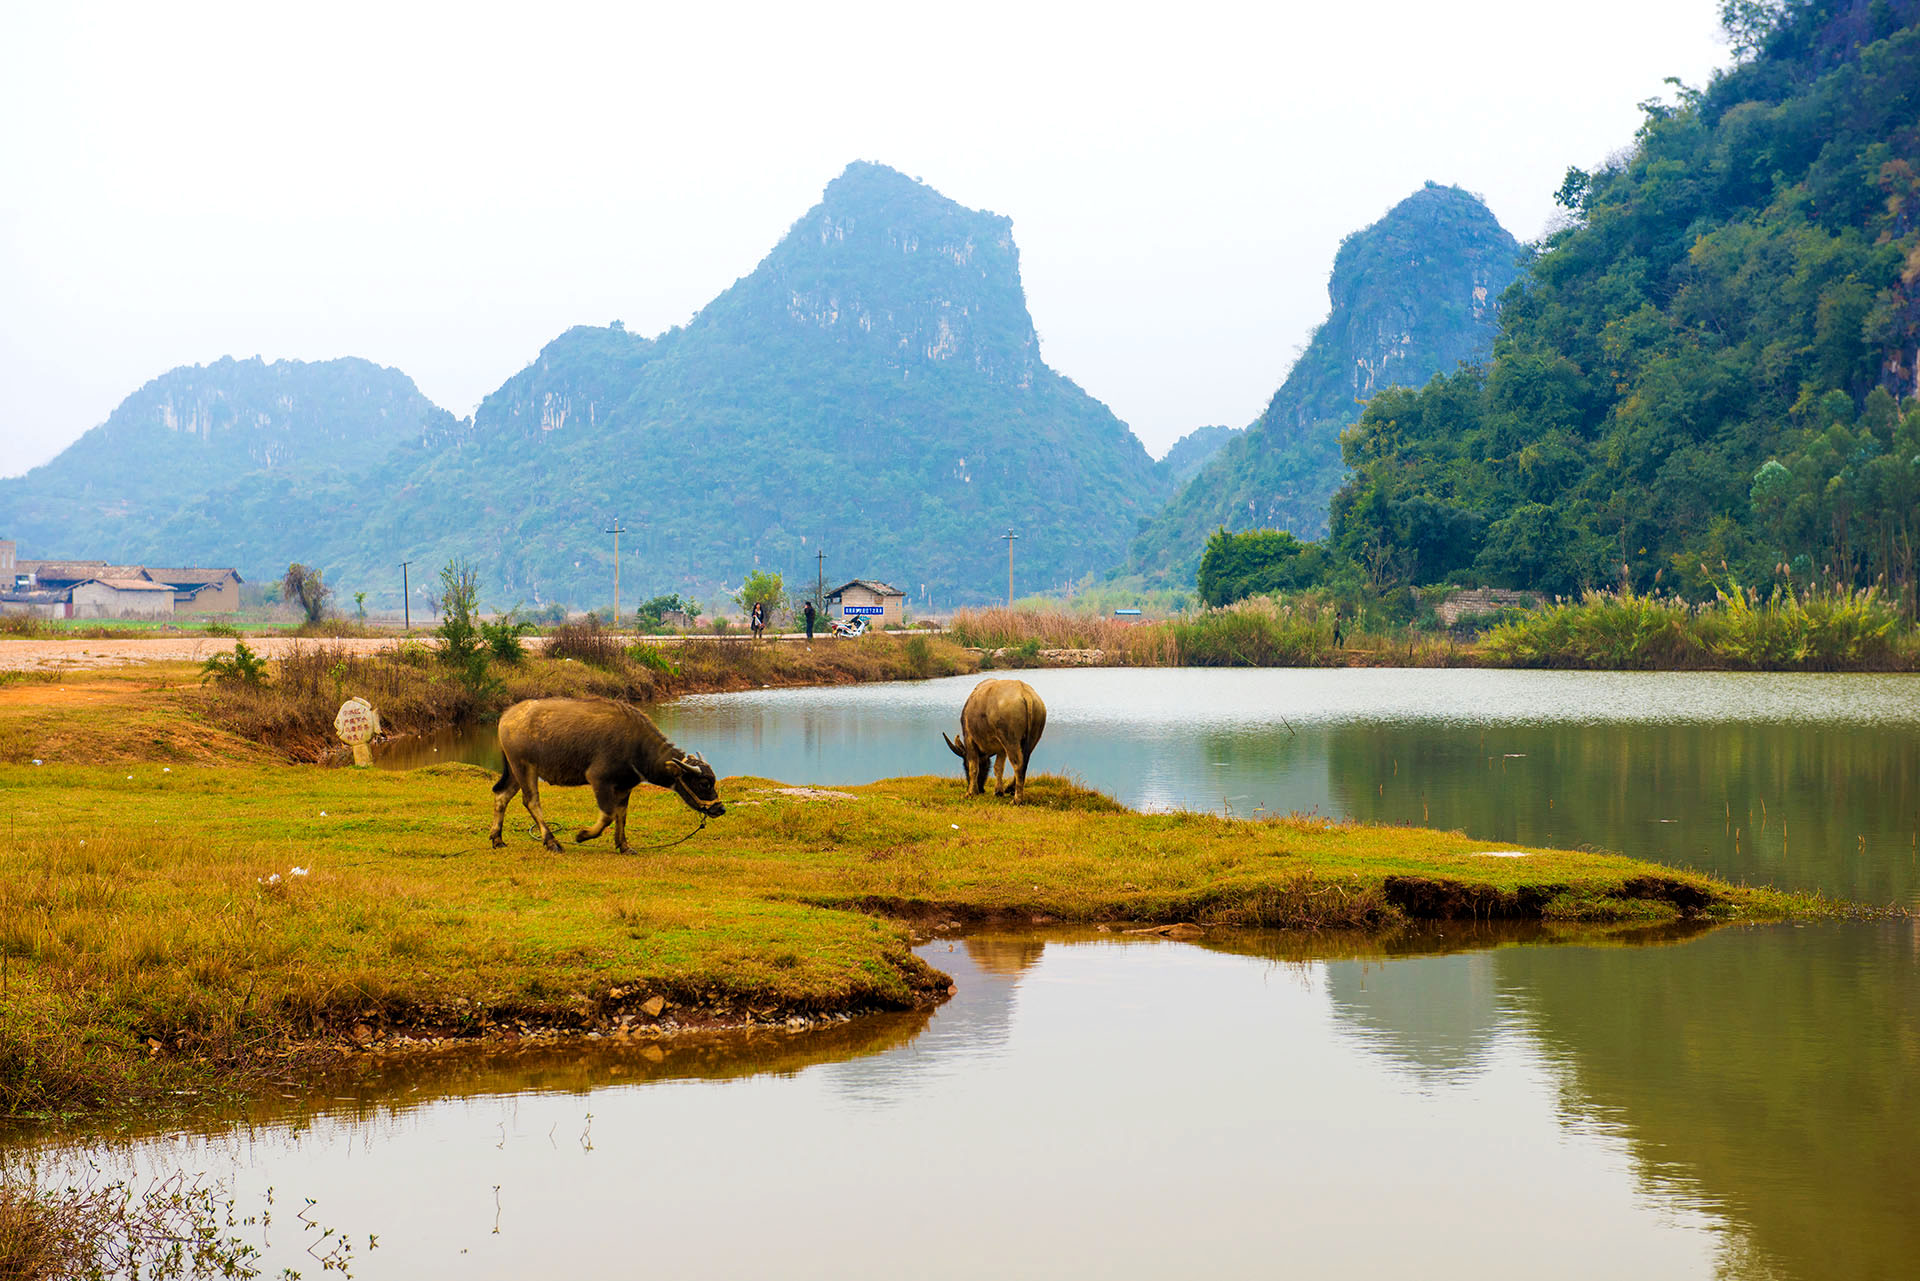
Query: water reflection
{"points": [[1809, 782], [1730, 1104]]}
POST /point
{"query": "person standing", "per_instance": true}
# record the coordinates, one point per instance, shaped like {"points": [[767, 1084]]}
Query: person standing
{"points": [[759, 619], [807, 614]]}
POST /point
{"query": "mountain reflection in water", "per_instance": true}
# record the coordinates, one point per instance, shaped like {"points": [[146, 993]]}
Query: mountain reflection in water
{"points": [[1464, 1101]]}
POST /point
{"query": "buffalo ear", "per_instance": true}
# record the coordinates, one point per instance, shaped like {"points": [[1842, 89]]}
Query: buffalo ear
{"points": [[957, 748]]}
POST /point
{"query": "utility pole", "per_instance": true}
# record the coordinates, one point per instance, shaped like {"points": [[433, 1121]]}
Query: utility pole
{"points": [[406, 606], [616, 531], [1010, 536], [820, 582]]}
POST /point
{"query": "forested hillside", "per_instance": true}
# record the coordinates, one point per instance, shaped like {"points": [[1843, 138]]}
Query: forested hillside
{"points": [[1412, 295], [1703, 373], [242, 426], [873, 389], [1194, 450]]}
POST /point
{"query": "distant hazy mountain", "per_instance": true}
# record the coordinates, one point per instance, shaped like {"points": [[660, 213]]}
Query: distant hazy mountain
{"points": [[873, 389], [1413, 295], [204, 428], [1192, 451]]}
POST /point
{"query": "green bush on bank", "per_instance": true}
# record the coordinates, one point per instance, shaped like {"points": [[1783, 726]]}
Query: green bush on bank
{"points": [[1829, 630]]}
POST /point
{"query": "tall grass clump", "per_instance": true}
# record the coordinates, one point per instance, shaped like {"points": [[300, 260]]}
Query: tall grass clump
{"points": [[1606, 630], [586, 641], [1002, 628], [1842, 628], [1257, 632], [1740, 630]]}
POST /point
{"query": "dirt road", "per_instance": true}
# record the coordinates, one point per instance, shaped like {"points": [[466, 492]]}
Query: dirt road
{"points": [[44, 655]]}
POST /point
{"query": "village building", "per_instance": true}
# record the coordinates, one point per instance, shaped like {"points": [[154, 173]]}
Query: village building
{"points": [[37, 604], [98, 589], [200, 591], [64, 575], [880, 604], [121, 598]]}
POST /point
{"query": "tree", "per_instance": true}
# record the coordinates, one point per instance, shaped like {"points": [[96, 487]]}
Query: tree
{"points": [[762, 588], [459, 630], [303, 587], [651, 614]]}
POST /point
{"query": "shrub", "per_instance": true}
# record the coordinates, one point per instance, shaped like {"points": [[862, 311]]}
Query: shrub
{"points": [[243, 667], [503, 639], [653, 658]]}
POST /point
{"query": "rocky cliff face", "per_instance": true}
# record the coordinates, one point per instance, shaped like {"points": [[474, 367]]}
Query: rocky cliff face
{"points": [[1412, 295], [888, 265]]}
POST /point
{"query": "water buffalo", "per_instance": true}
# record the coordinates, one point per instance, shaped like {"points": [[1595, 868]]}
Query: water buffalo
{"points": [[1001, 722], [609, 746]]}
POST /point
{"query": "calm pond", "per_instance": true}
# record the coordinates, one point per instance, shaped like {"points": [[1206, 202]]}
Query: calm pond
{"points": [[1806, 782], [1461, 1102], [1737, 1104]]}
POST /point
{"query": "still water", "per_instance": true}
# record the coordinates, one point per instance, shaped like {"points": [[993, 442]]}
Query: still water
{"points": [[1806, 782], [1460, 1103]]}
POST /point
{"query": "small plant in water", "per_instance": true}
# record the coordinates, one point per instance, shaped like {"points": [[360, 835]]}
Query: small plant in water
{"points": [[176, 1227]]}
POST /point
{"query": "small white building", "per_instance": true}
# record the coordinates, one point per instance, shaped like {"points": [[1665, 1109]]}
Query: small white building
{"points": [[881, 605], [122, 598], [37, 604]]}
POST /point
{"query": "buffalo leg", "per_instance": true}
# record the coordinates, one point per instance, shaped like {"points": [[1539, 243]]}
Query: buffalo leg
{"points": [[603, 794], [530, 797], [620, 824], [1020, 779], [1000, 774], [503, 792]]}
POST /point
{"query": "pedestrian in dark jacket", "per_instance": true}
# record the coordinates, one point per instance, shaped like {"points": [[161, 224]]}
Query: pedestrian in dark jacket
{"points": [[807, 613]]}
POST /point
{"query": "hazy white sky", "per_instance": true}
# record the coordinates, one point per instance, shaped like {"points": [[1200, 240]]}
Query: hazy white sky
{"points": [[445, 188]]}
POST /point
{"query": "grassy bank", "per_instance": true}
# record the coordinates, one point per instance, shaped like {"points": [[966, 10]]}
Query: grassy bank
{"points": [[172, 713], [1740, 630], [185, 928]]}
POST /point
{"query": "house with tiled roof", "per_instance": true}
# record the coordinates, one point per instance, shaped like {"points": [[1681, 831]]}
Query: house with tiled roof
{"points": [[878, 602], [100, 589], [200, 591]]}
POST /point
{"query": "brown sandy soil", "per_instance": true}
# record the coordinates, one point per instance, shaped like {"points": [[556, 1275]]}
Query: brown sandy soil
{"points": [[43, 655]]}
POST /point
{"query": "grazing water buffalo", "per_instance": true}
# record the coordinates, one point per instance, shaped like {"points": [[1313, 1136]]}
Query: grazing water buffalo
{"points": [[609, 746], [1001, 722]]}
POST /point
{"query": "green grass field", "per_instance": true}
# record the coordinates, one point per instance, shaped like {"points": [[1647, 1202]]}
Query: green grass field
{"points": [[180, 927]]}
